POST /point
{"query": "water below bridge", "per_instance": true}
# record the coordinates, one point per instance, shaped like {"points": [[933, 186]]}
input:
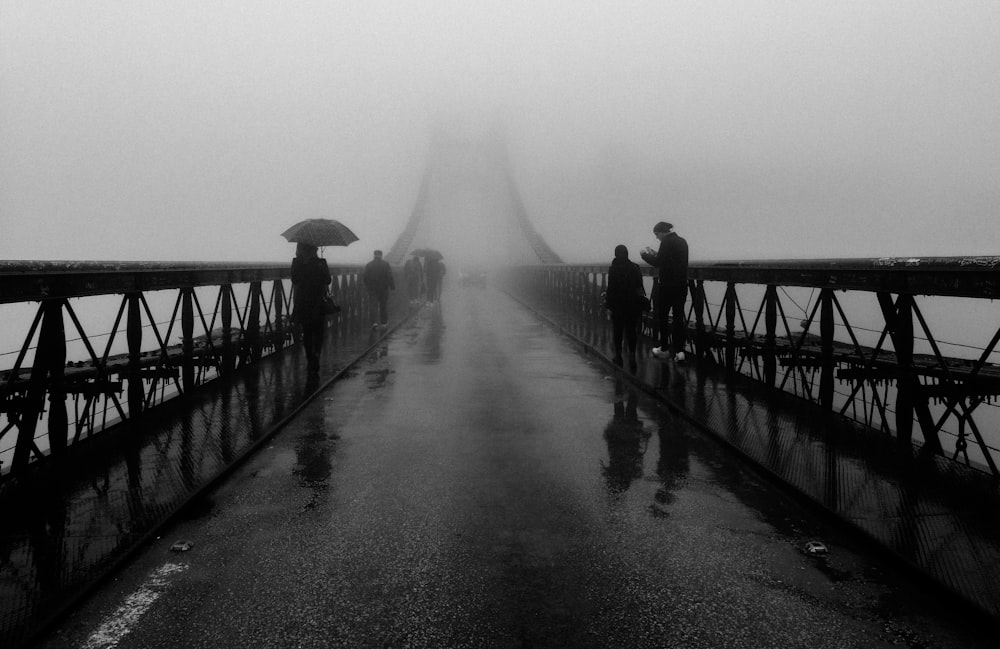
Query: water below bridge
{"points": [[479, 480]]}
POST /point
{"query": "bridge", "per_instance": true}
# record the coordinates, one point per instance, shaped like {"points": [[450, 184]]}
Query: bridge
{"points": [[821, 471]]}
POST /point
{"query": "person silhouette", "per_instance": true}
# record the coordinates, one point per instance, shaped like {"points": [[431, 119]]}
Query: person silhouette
{"points": [[378, 279], [624, 298], [671, 261], [310, 282], [434, 269], [413, 275]]}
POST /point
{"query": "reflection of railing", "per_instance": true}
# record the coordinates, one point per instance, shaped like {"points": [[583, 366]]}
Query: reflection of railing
{"points": [[864, 345], [225, 316]]}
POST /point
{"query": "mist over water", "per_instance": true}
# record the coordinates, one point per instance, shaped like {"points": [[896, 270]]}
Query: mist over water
{"points": [[761, 129]]}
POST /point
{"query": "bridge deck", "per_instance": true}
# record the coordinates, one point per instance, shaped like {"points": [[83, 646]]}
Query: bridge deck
{"points": [[476, 481]]}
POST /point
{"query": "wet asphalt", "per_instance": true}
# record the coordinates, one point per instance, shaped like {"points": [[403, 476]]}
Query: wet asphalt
{"points": [[479, 481]]}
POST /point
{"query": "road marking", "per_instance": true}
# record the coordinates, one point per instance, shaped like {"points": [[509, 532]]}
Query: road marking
{"points": [[120, 623]]}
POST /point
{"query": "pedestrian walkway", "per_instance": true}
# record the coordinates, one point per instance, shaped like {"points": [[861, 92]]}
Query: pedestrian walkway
{"points": [[471, 480], [937, 516], [73, 523]]}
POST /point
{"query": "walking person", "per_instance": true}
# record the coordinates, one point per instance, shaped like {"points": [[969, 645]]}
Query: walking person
{"points": [[377, 278], [435, 270], [413, 276], [624, 299], [671, 260], [310, 282]]}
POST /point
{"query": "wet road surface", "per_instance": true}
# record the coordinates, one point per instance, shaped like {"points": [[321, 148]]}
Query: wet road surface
{"points": [[478, 482]]}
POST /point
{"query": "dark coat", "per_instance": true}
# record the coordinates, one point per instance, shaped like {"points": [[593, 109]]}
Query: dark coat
{"points": [[310, 279], [624, 288], [412, 271], [378, 276], [671, 260], [435, 269]]}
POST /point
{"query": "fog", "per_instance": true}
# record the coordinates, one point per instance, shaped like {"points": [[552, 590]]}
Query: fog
{"points": [[761, 129]]}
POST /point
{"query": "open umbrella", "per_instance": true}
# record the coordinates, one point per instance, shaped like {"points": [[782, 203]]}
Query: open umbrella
{"points": [[320, 232], [428, 253]]}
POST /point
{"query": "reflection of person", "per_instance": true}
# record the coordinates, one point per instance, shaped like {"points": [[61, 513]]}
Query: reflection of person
{"points": [[626, 445], [673, 465], [377, 278], [310, 279], [624, 294], [672, 262], [312, 454]]}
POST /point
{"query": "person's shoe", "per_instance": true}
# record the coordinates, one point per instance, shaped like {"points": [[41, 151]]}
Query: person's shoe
{"points": [[374, 325], [659, 352], [679, 357]]}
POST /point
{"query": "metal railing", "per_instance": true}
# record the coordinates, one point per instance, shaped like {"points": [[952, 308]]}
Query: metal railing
{"points": [[67, 374], [897, 345]]}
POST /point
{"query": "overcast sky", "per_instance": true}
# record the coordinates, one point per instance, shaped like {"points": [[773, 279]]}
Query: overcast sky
{"points": [[197, 130]]}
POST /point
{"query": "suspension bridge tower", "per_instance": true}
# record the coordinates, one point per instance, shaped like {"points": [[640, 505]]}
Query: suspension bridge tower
{"points": [[468, 206]]}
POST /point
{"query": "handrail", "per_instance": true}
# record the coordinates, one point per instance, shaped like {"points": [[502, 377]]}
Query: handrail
{"points": [[223, 316], [25, 281], [898, 374], [976, 276]]}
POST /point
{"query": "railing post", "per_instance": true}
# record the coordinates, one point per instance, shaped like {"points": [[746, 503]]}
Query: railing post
{"points": [[187, 339], [133, 334], [826, 346], [770, 338], [731, 325], [603, 291], [228, 356], [577, 285], [595, 294], [279, 309], [902, 342], [350, 299], [698, 302], [46, 379], [910, 399], [253, 322], [53, 337]]}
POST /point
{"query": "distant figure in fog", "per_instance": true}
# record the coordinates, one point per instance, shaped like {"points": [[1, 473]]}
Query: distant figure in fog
{"points": [[377, 278], [310, 282], [413, 275], [624, 299], [671, 259], [434, 269]]}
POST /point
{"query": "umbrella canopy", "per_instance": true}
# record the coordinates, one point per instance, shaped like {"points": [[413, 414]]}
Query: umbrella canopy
{"points": [[320, 232], [429, 253]]}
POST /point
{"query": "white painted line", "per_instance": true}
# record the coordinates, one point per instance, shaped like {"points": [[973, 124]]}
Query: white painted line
{"points": [[117, 625]]}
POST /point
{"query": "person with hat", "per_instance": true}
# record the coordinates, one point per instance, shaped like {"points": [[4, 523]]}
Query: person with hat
{"points": [[671, 260]]}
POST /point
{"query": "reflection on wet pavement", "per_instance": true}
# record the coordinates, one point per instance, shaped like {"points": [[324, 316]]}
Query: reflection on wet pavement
{"points": [[503, 487], [68, 524], [313, 450], [627, 439]]}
